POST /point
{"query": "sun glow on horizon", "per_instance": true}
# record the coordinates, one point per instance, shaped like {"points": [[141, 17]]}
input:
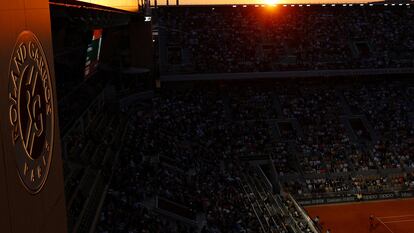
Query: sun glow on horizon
{"points": [[271, 2]]}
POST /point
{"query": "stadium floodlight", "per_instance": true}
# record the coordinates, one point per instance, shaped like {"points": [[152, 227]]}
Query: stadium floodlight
{"points": [[385, 4], [333, 5], [292, 5], [323, 4], [344, 5], [350, 4], [234, 6], [371, 4], [308, 5], [400, 4], [300, 5], [361, 4]]}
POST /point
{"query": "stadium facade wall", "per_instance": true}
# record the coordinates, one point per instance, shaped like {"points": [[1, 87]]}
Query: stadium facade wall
{"points": [[31, 194]]}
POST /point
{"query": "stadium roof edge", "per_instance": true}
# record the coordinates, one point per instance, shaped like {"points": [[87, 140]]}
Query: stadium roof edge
{"points": [[284, 74], [91, 6]]}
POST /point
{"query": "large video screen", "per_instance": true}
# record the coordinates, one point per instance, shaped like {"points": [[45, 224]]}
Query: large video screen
{"points": [[93, 53]]}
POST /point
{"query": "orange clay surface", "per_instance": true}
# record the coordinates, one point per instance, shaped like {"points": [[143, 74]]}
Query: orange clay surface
{"points": [[391, 216]]}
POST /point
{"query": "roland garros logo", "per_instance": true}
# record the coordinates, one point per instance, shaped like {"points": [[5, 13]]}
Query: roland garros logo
{"points": [[31, 111]]}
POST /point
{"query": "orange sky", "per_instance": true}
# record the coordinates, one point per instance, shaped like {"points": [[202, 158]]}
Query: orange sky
{"points": [[128, 5], [131, 5]]}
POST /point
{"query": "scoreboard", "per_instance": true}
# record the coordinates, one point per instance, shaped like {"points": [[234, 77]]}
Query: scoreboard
{"points": [[93, 53]]}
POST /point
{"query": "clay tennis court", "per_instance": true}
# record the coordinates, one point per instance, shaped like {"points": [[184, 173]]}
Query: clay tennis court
{"points": [[391, 216]]}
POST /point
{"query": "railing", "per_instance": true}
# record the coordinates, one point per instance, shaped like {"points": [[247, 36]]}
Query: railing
{"points": [[175, 211], [304, 215], [266, 207], [85, 203], [88, 213], [97, 102], [111, 173], [263, 175], [250, 202], [269, 203]]}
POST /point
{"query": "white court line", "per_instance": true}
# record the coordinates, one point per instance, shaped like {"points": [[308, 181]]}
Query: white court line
{"points": [[400, 221], [398, 216], [384, 225]]}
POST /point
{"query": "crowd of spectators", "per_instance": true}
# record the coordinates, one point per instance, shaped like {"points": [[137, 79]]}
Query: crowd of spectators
{"points": [[325, 145], [249, 103], [350, 185], [162, 158], [191, 146], [225, 39], [327, 185], [388, 109]]}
